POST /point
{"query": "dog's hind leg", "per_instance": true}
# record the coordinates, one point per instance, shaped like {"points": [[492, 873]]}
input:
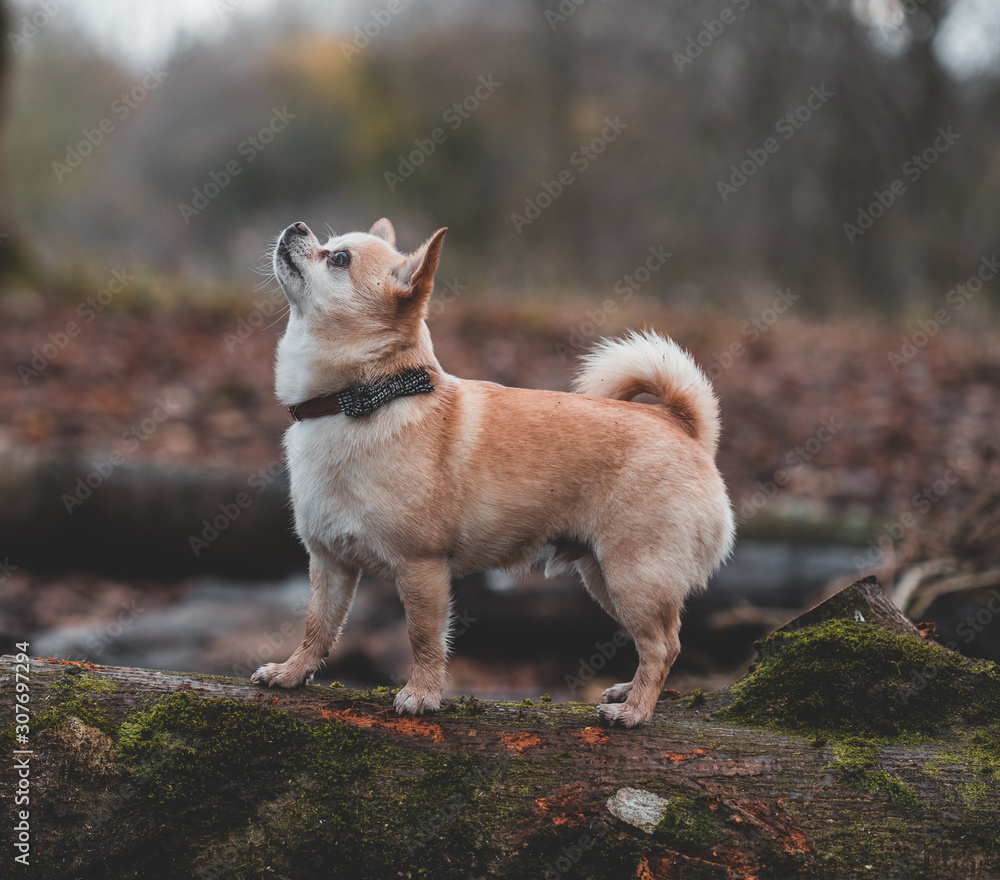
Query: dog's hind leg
{"points": [[333, 588], [425, 588], [657, 639], [597, 586], [647, 601]]}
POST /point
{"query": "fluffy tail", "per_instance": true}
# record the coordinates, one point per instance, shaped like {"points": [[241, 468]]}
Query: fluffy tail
{"points": [[647, 362]]}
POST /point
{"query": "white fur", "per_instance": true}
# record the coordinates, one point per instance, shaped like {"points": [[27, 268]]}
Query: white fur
{"points": [[662, 365]]}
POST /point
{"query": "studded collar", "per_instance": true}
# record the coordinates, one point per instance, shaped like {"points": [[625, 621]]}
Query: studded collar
{"points": [[363, 399]]}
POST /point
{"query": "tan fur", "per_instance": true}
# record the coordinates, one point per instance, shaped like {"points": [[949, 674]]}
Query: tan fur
{"points": [[475, 475]]}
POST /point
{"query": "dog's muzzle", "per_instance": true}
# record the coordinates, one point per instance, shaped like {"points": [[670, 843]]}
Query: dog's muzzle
{"points": [[290, 245]]}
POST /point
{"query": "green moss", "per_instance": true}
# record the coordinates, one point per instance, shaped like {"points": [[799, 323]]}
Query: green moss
{"points": [[581, 708], [74, 695], [860, 850], [221, 766], [856, 760], [883, 783], [696, 699], [465, 706], [689, 824], [984, 751], [842, 678], [977, 828], [855, 753], [974, 794], [189, 753]]}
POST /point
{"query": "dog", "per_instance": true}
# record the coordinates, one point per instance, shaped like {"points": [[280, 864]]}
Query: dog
{"points": [[399, 469]]}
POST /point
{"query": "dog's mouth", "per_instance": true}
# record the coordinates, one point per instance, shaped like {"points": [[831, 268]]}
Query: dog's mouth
{"points": [[285, 255], [290, 246]]}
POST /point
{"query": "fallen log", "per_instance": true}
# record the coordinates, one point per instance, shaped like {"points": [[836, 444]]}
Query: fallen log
{"points": [[853, 748]]}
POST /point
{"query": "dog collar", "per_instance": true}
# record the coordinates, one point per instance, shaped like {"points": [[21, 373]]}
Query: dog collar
{"points": [[361, 400]]}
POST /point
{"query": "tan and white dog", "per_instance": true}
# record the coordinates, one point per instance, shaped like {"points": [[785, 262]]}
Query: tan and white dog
{"points": [[399, 469]]}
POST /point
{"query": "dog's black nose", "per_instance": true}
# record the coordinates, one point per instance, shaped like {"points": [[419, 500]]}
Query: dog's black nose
{"points": [[299, 228]]}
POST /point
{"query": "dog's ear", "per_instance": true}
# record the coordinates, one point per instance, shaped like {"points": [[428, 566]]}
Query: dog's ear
{"points": [[416, 274], [383, 229]]}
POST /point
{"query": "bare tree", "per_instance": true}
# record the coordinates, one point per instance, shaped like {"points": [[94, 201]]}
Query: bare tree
{"points": [[11, 254]]}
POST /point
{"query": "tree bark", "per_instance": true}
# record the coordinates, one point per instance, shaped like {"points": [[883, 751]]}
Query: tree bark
{"points": [[134, 773]]}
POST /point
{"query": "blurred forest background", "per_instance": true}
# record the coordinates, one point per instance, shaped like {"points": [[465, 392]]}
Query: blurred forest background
{"points": [[896, 72], [804, 193]]}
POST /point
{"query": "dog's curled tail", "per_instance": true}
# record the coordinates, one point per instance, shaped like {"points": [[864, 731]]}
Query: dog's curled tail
{"points": [[621, 369]]}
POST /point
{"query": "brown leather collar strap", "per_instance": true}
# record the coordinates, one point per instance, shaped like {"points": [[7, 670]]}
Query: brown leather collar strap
{"points": [[361, 400], [316, 407]]}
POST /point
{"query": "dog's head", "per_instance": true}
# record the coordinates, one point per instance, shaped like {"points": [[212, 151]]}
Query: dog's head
{"points": [[357, 269], [355, 300]]}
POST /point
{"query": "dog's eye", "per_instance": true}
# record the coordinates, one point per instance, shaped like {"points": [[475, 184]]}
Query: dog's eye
{"points": [[339, 258]]}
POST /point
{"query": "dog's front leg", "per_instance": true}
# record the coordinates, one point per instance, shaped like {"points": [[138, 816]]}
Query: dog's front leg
{"points": [[425, 588], [333, 588]]}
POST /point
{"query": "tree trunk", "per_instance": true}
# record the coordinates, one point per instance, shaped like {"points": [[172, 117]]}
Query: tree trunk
{"points": [[133, 773], [13, 258]]}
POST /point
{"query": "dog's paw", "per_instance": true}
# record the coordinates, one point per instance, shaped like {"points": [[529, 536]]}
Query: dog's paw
{"points": [[617, 693], [280, 675], [414, 701], [619, 715]]}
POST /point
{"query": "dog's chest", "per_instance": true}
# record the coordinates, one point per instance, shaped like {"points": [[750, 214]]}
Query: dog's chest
{"points": [[344, 486]]}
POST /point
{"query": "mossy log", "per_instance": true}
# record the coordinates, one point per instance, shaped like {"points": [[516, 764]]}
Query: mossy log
{"points": [[854, 748]]}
